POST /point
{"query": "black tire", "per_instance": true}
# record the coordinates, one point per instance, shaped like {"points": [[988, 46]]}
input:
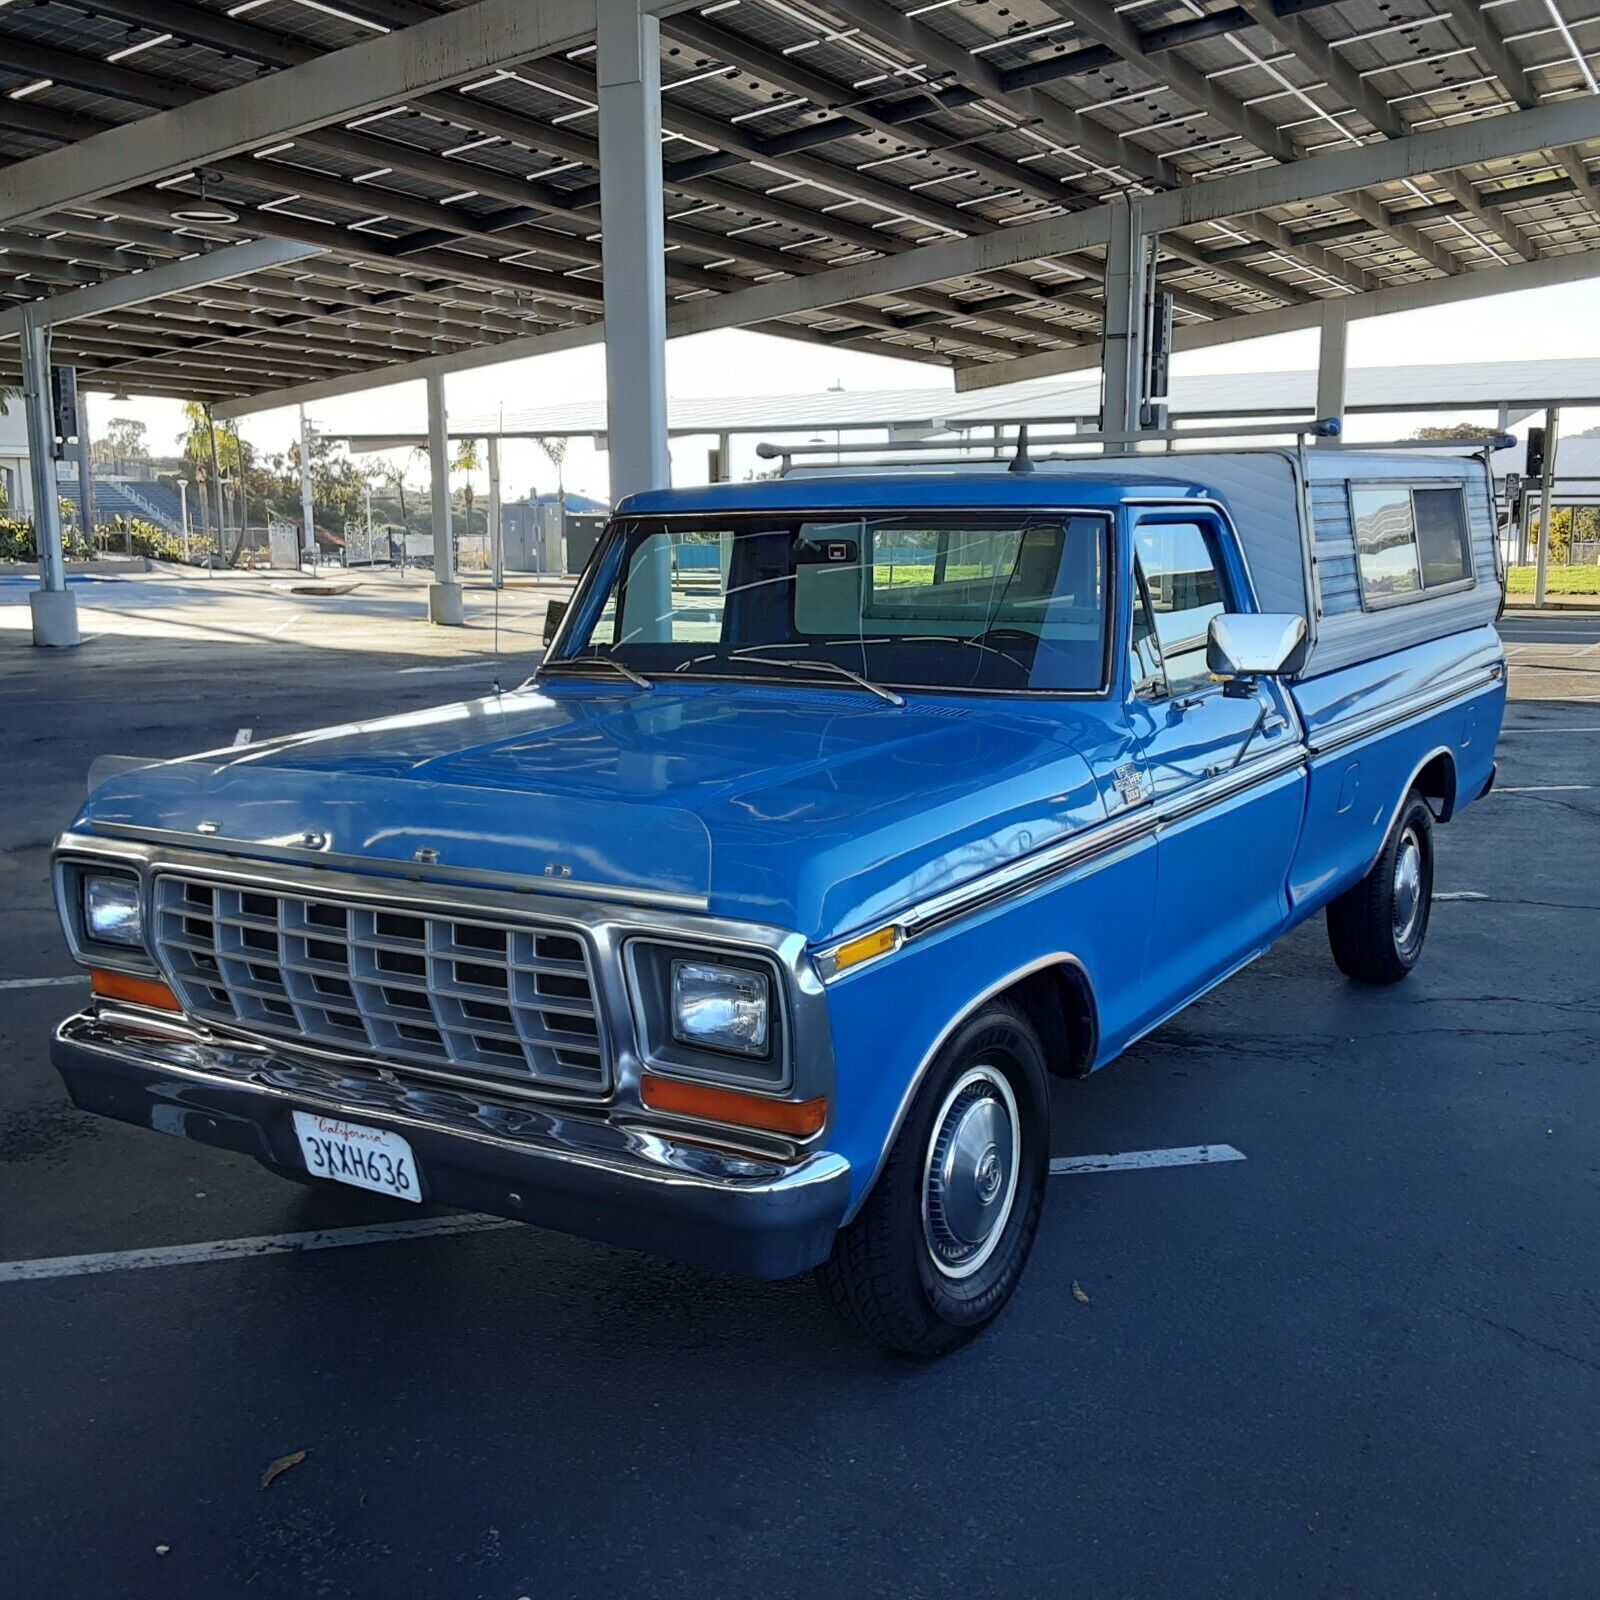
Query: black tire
{"points": [[907, 1276], [1377, 928]]}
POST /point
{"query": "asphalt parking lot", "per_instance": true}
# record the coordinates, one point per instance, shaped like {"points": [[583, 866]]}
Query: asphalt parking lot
{"points": [[1361, 1361]]}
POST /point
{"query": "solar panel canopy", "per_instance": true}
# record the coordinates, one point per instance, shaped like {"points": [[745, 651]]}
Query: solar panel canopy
{"points": [[463, 223]]}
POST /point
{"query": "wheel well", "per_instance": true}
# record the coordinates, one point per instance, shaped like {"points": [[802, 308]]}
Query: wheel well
{"points": [[1436, 783], [1059, 1003]]}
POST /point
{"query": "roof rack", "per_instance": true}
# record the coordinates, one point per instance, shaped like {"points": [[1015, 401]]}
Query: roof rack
{"points": [[1327, 431]]}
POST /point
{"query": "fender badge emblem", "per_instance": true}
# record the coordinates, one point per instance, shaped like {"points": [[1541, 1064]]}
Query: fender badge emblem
{"points": [[557, 869], [312, 840], [427, 855], [1130, 783], [205, 827]]}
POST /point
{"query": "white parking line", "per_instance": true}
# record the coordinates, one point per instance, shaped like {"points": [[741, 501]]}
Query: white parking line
{"points": [[270, 1244], [1461, 894], [1507, 732], [43, 983], [279, 1244], [1189, 1155], [1540, 788]]}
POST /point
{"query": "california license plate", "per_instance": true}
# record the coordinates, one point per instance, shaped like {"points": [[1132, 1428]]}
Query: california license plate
{"points": [[366, 1158]]}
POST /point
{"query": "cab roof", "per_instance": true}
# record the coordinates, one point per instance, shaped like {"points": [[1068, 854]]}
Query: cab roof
{"points": [[887, 491]]}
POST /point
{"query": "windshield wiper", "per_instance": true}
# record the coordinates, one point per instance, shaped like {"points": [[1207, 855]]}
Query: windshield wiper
{"points": [[603, 661], [821, 665]]}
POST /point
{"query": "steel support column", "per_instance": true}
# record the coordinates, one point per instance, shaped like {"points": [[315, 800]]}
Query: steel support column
{"points": [[55, 611], [1552, 426], [85, 453], [308, 520], [629, 77], [1331, 361], [497, 547], [444, 593], [1127, 284]]}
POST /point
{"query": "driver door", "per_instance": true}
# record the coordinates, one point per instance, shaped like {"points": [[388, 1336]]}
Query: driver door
{"points": [[1226, 842]]}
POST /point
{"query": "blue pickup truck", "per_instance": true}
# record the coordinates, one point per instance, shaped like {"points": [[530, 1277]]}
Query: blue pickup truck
{"points": [[844, 813]]}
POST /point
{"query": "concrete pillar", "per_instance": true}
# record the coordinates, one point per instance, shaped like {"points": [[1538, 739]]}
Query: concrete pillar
{"points": [[629, 73], [628, 69], [444, 593], [497, 543], [308, 521], [1332, 363], [216, 488], [55, 611], [85, 471], [1552, 425], [1127, 283]]}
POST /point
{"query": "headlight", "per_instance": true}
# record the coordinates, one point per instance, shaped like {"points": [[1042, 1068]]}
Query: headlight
{"points": [[720, 1008], [113, 910]]}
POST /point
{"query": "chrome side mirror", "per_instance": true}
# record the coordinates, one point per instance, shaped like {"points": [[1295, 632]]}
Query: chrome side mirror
{"points": [[1255, 644]]}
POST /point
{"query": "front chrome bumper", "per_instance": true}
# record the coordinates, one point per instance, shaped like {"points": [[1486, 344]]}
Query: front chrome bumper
{"points": [[577, 1172]]}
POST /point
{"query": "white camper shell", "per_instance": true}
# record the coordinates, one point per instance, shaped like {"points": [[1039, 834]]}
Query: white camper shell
{"points": [[1376, 549]]}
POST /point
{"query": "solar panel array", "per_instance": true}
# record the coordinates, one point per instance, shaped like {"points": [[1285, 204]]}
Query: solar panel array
{"points": [[798, 136]]}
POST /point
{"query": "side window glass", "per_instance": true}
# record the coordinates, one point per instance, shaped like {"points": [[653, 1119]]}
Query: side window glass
{"points": [[1443, 542], [1186, 592], [1144, 654], [1386, 543]]}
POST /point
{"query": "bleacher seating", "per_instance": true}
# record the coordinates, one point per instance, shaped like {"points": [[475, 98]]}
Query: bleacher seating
{"points": [[131, 499]]}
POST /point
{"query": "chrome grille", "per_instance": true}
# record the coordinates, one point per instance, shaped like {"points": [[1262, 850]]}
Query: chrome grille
{"points": [[461, 994]]}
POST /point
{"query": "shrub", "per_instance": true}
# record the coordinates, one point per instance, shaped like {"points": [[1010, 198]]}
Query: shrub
{"points": [[17, 542], [143, 538]]}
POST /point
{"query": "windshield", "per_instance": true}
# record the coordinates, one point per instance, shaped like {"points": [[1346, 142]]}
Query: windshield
{"points": [[914, 601]]}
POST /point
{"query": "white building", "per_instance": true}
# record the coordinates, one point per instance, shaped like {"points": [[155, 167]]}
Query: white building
{"points": [[14, 461]]}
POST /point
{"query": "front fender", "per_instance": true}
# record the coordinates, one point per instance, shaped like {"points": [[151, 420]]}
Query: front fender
{"points": [[890, 1018]]}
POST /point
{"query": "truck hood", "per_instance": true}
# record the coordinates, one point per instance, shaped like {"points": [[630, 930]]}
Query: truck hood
{"points": [[809, 809]]}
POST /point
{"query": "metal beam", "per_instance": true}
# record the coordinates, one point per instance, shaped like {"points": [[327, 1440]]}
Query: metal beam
{"points": [[439, 224], [1547, 273], [448, 49], [629, 70], [1476, 28], [444, 593], [1318, 54], [134, 288], [1488, 139]]}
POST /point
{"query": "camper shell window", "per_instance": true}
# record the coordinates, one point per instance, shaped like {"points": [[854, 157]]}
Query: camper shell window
{"points": [[1412, 541]]}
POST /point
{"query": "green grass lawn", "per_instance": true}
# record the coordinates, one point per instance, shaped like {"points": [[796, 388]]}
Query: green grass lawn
{"points": [[1558, 580]]}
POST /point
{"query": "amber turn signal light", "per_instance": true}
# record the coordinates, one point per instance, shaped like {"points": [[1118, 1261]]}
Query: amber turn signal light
{"points": [[137, 991], [797, 1119]]}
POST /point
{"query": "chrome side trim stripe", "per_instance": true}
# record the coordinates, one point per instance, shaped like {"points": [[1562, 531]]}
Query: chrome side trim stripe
{"points": [[1362, 726], [1029, 872]]}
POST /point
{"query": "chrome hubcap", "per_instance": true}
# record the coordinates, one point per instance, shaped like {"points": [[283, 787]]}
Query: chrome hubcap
{"points": [[969, 1181], [1407, 888]]}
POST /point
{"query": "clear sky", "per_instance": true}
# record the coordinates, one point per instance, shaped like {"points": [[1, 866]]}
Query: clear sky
{"points": [[1539, 324]]}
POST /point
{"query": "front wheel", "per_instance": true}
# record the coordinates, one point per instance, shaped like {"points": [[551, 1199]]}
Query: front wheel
{"points": [[941, 1242], [1377, 927]]}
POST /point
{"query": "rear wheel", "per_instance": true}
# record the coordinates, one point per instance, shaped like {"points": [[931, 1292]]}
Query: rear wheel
{"points": [[940, 1245], [1377, 928]]}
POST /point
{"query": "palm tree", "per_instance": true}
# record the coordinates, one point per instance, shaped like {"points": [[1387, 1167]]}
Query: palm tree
{"points": [[467, 459], [7, 395], [394, 478], [555, 449]]}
